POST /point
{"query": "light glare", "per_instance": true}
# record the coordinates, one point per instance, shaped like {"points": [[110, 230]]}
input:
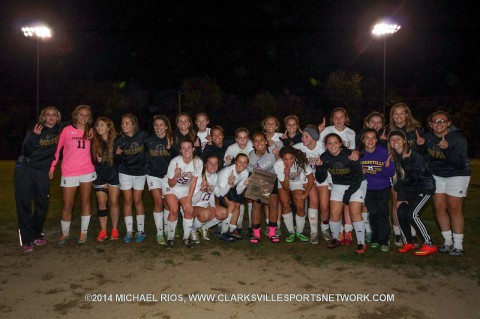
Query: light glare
{"points": [[384, 28], [40, 31]]}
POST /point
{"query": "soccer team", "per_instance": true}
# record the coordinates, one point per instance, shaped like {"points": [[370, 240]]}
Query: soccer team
{"points": [[362, 184]]}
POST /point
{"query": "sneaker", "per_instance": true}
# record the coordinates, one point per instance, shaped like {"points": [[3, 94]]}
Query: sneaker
{"points": [[302, 237], [342, 238], [374, 245], [406, 248], [63, 240], [102, 235], [385, 248], [28, 248], [398, 241], [334, 243], [290, 238], [114, 235], [160, 239], [326, 234], [314, 238], [456, 252], [361, 249], [348, 238], [128, 238], [194, 237], [226, 237], [83, 238], [250, 232], [40, 242], [188, 243], [139, 236], [426, 250], [235, 235], [204, 233], [445, 249], [368, 237], [255, 240], [169, 244]]}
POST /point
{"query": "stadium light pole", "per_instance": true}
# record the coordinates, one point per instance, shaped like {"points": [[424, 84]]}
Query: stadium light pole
{"points": [[39, 33], [383, 30]]}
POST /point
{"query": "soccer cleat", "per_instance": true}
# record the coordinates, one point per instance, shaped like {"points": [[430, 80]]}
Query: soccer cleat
{"points": [[169, 244], [334, 243], [368, 237], [28, 248], [426, 250], [226, 237], [445, 249], [114, 235], [139, 236], [302, 237], [398, 241], [40, 242], [218, 230], [374, 245], [204, 233], [83, 239], [160, 239], [102, 235], [456, 252], [188, 243], [194, 237], [406, 248], [385, 248], [314, 238], [348, 238], [128, 238], [255, 240], [326, 234], [361, 249], [342, 238], [63, 239], [235, 235], [290, 238]]}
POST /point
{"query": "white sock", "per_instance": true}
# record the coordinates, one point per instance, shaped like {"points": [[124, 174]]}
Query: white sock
{"points": [[166, 212], [300, 221], [288, 221], [335, 229], [447, 235], [240, 216], [196, 224], [84, 224], [360, 232], [414, 232], [187, 227], [226, 222], [129, 223], [140, 223], [171, 226], [313, 219], [396, 230], [211, 223], [249, 206], [65, 227], [368, 229], [458, 241], [325, 226], [348, 228], [231, 228], [158, 218]]}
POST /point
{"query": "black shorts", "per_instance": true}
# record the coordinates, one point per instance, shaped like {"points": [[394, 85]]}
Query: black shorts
{"points": [[107, 176], [232, 196]]}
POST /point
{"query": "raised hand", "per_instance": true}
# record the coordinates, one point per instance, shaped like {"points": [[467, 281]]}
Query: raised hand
{"points": [[407, 155], [322, 126], [420, 140], [318, 161], [284, 136], [178, 170], [443, 143], [389, 158], [231, 179], [384, 135], [38, 129], [119, 150]]}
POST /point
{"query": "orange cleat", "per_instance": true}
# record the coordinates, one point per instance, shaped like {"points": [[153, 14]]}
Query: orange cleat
{"points": [[114, 234], [102, 235], [426, 250], [406, 248]]}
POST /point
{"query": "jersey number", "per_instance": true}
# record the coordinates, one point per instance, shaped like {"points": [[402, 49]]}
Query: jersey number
{"points": [[81, 144]]}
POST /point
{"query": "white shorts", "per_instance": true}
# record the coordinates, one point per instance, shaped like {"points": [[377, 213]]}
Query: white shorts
{"points": [[327, 182], [156, 182], [456, 186], [74, 181], [129, 181], [179, 192], [339, 190]]}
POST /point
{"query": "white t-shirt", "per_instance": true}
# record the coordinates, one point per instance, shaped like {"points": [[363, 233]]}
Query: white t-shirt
{"points": [[207, 198], [312, 155], [296, 176], [347, 136], [192, 169], [233, 150], [222, 187]]}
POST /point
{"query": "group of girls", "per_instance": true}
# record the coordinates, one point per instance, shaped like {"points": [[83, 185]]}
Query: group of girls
{"points": [[347, 177]]}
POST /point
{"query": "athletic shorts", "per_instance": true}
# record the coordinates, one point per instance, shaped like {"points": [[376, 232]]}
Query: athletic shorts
{"points": [[74, 181], [232, 196], [178, 191], [156, 182], [327, 182], [130, 181], [339, 190], [456, 186], [101, 181]]}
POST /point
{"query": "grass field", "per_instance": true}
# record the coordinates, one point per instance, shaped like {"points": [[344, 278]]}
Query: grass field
{"points": [[300, 252]]}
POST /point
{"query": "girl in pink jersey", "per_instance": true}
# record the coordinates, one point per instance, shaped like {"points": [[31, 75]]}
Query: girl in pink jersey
{"points": [[77, 170]]}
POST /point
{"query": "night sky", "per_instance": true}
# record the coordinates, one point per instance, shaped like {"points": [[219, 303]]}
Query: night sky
{"points": [[244, 46]]}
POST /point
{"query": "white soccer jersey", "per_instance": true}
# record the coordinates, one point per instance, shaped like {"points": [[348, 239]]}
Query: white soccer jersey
{"points": [[347, 136], [233, 150], [194, 168], [296, 176], [206, 198], [222, 187], [312, 155]]}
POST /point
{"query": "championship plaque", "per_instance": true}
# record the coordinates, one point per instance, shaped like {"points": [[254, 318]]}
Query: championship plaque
{"points": [[260, 186]]}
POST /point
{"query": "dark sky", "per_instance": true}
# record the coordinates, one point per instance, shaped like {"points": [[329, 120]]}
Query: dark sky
{"points": [[245, 46]]}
